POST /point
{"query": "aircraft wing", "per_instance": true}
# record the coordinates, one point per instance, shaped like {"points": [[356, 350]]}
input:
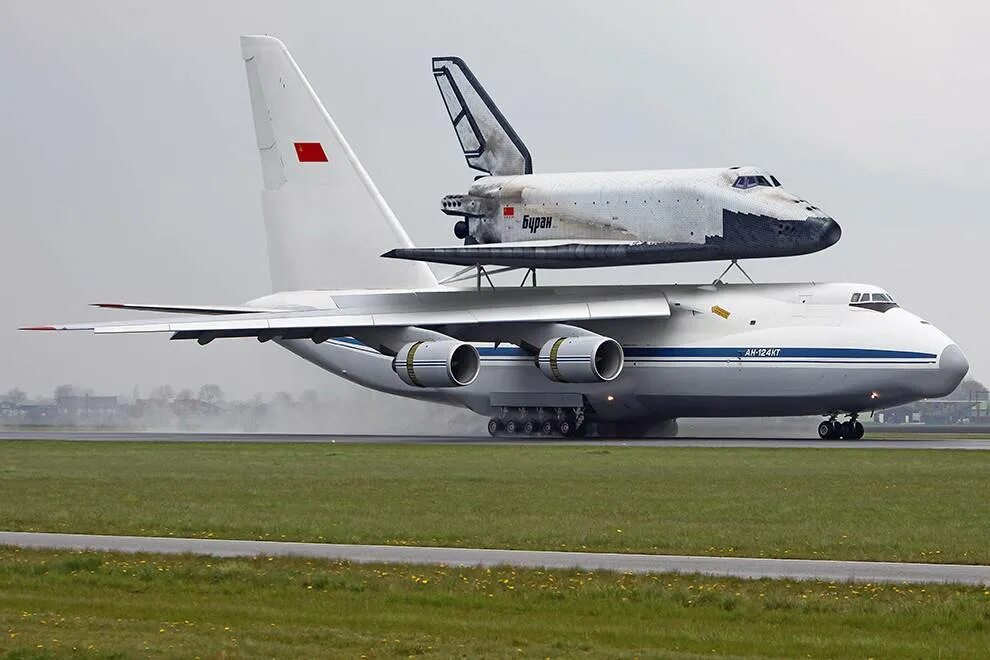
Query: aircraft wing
{"points": [[439, 310], [558, 254], [183, 309]]}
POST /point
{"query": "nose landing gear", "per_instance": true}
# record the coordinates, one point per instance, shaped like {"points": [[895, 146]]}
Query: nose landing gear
{"points": [[832, 429]]}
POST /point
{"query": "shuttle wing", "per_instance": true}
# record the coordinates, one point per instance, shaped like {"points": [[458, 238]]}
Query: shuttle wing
{"points": [[558, 254], [430, 310]]}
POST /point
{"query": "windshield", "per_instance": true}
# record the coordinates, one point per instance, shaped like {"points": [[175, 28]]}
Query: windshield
{"points": [[747, 181], [877, 302]]}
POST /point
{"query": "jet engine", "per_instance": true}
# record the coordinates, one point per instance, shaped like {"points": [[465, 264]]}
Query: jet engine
{"points": [[437, 364], [590, 359]]}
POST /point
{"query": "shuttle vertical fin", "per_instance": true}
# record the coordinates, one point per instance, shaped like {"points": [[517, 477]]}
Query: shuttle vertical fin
{"points": [[487, 140]]}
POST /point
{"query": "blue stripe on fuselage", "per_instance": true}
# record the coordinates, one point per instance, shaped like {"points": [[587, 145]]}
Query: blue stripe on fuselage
{"points": [[782, 352], [633, 352]]}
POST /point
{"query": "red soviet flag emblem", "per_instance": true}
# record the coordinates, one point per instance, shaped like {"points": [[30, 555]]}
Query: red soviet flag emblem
{"points": [[310, 152], [508, 211]]}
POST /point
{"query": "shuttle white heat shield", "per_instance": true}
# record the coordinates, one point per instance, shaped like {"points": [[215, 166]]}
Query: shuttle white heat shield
{"points": [[581, 359], [437, 364]]}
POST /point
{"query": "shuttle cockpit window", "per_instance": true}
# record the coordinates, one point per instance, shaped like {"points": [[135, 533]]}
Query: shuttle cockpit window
{"points": [[776, 183], [746, 182]]}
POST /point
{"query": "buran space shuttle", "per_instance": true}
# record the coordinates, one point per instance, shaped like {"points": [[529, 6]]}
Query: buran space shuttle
{"points": [[514, 218]]}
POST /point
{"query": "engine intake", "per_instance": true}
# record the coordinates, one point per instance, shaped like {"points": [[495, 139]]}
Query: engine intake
{"points": [[437, 364], [581, 359]]}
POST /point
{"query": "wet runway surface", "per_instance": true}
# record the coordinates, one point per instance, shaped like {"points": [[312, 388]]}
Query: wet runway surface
{"points": [[960, 442], [743, 567]]}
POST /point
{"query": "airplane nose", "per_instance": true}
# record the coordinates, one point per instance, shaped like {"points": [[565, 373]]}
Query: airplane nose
{"points": [[828, 231], [952, 366]]}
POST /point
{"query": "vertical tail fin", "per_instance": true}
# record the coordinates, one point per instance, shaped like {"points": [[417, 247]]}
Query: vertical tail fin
{"points": [[487, 140], [325, 220]]}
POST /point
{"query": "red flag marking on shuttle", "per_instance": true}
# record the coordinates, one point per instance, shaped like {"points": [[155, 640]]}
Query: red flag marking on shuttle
{"points": [[310, 152], [508, 211]]}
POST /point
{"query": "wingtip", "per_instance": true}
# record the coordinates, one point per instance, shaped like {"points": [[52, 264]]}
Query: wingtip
{"points": [[38, 327], [108, 305]]}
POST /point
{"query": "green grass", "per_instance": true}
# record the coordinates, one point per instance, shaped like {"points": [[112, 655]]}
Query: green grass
{"points": [[853, 504], [105, 605]]}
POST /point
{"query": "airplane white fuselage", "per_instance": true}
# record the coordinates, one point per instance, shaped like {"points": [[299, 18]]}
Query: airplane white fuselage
{"points": [[726, 350]]}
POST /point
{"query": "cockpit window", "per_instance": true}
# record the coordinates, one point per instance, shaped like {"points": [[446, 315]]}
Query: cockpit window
{"points": [[775, 182], [751, 181], [878, 302]]}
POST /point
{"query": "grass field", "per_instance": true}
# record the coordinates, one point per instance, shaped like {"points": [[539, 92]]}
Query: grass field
{"points": [[852, 504], [104, 605]]}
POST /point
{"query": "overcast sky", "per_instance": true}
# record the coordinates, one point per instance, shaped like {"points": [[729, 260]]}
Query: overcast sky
{"points": [[130, 170]]}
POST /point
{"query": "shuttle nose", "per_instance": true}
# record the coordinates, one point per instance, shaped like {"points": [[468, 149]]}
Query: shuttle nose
{"points": [[827, 230]]}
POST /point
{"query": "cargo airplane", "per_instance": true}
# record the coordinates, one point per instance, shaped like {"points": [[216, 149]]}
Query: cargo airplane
{"points": [[562, 360], [513, 217]]}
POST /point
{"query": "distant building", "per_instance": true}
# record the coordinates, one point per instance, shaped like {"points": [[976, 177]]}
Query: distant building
{"points": [[27, 413], [87, 406], [194, 408]]}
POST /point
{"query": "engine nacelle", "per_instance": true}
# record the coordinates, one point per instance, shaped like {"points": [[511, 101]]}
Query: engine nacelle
{"points": [[581, 359], [437, 364]]}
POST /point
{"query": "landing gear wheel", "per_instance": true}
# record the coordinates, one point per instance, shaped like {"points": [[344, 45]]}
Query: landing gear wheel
{"points": [[494, 426], [529, 426], [846, 430], [512, 426], [547, 428], [566, 428], [858, 431], [830, 430]]}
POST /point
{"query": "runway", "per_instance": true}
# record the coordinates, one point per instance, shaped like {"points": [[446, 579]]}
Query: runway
{"points": [[959, 442], [741, 567]]}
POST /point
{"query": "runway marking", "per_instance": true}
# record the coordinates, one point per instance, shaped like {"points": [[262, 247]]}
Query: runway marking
{"points": [[741, 567]]}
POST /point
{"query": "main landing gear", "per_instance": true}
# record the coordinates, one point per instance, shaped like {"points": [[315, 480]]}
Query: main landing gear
{"points": [[567, 422], [833, 429]]}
